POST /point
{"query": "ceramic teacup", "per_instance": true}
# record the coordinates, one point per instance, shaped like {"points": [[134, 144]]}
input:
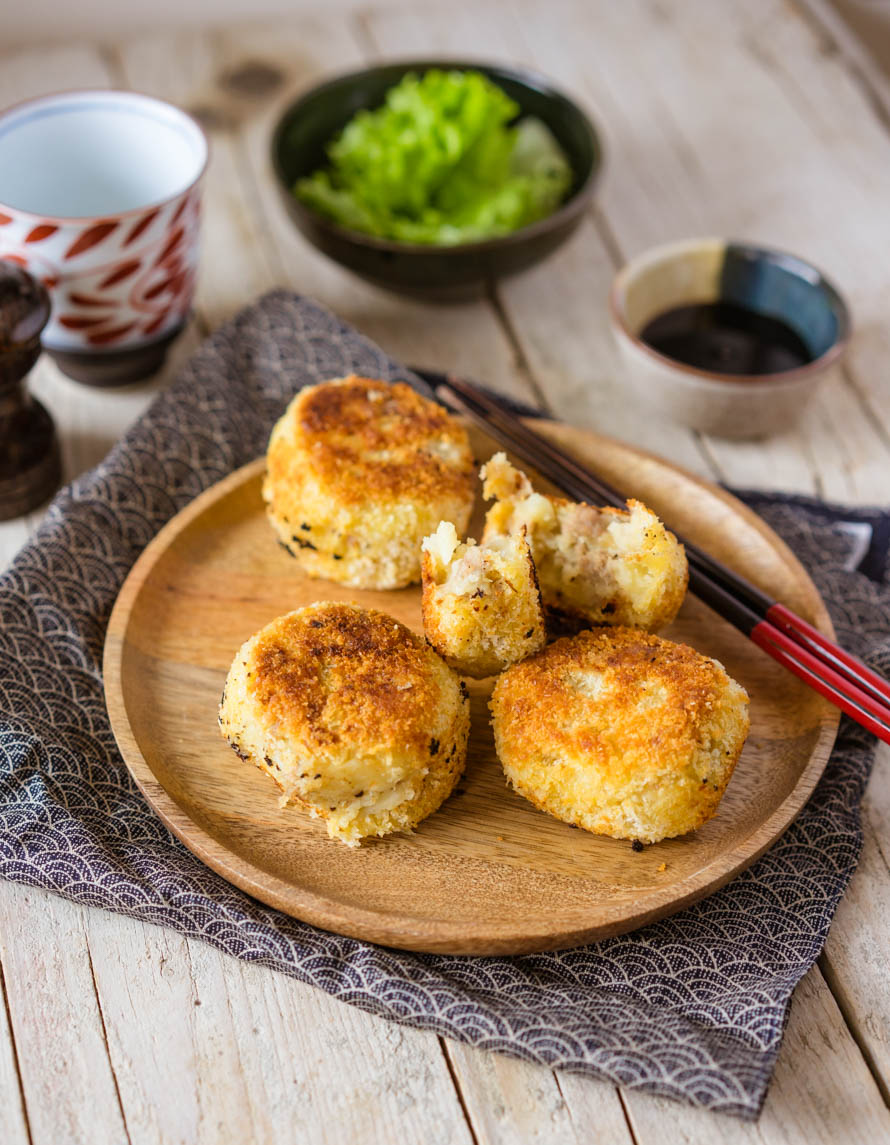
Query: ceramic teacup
{"points": [[100, 201], [768, 282]]}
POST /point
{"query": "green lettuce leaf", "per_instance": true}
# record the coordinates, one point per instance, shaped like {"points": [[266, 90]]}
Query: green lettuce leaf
{"points": [[441, 162]]}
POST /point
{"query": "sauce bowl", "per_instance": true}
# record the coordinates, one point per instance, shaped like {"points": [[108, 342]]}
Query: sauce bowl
{"points": [[768, 282]]}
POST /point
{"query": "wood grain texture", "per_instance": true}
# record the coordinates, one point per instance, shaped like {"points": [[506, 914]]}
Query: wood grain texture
{"points": [[13, 1118], [487, 873], [511, 1102], [242, 1054], [57, 1022]]}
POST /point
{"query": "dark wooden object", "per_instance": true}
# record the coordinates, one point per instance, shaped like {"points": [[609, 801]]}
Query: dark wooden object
{"points": [[30, 467]]}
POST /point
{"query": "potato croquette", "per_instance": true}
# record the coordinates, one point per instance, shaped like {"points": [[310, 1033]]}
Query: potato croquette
{"points": [[354, 716], [358, 473], [595, 566], [482, 607], [620, 732]]}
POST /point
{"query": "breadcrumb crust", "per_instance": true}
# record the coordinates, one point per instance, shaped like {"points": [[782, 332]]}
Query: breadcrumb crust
{"points": [[352, 714], [620, 732], [358, 471]]}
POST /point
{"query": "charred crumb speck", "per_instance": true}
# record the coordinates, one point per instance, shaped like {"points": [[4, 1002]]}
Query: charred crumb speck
{"points": [[530, 632], [636, 845], [290, 552], [453, 750], [608, 609], [706, 779], [316, 624], [303, 543], [477, 594], [267, 760], [463, 690], [317, 775], [238, 750], [306, 528], [338, 556], [359, 794], [434, 746]]}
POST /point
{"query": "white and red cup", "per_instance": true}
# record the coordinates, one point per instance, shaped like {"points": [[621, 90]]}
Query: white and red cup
{"points": [[100, 200]]}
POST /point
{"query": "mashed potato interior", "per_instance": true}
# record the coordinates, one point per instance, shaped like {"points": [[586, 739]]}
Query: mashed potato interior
{"points": [[481, 603], [595, 565]]}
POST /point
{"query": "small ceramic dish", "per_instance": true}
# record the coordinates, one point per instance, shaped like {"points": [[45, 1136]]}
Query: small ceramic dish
{"points": [[307, 127], [768, 282]]}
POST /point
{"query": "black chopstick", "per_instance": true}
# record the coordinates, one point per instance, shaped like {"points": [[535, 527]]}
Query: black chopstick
{"points": [[825, 666]]}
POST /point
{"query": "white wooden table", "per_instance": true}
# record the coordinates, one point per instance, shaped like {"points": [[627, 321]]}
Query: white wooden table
{"points": [[759, 120]]}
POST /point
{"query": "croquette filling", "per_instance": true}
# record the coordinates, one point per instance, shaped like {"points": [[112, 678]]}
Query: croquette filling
{"points": [[469, 569], [572, 547], [588, 560]]}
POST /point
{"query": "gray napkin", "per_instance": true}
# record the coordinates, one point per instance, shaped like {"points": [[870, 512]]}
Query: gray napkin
{"points": [[692, 1007]]}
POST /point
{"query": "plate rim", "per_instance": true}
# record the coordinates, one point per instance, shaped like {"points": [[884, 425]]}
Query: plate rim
{"points": [[403, 931]]}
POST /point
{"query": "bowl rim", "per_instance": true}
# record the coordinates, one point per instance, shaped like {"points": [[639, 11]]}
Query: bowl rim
{"points": [[792, 262], [109, 94], [528, 77]]}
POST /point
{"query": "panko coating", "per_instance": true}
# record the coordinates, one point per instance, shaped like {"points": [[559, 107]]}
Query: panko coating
{"points": [[352, 714], [358, 472], [595, 565], [482, 606], [620, 732]]}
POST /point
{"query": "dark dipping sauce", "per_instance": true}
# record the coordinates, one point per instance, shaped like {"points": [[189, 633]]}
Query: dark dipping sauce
{"points": [[724, 338]]}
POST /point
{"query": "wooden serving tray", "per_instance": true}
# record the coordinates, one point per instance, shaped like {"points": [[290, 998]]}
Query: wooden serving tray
{"points": [[487, 873]]}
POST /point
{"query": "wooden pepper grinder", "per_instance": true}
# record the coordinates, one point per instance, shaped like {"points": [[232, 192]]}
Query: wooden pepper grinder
{"points": [[30, 467]]}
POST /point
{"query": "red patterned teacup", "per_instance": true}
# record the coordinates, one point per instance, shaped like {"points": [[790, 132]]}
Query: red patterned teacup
{"points": [[100, 200]]}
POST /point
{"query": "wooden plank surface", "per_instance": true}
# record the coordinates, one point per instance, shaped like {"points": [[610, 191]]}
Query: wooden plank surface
{"points": [[67, 1077], [182, 1044], [241, 1053], [13, 1117]]}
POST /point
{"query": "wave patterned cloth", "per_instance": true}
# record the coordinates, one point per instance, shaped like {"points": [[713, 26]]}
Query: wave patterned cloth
{"points": [[692, 1007]]}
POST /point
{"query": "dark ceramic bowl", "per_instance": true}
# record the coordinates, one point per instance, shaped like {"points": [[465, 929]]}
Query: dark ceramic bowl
{"points": [[307, 126]]}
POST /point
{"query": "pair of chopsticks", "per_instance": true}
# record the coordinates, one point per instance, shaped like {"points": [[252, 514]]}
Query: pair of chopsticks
{"points": [[823, 665]]}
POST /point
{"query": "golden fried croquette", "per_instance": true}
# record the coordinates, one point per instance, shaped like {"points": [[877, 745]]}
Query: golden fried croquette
{"points": [[620, 732], [358, 473], [482, 607], [595, 566], [354, 716]]}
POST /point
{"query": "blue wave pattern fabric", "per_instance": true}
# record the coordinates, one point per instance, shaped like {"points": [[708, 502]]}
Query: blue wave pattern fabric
{"points": [[692, 1007]]}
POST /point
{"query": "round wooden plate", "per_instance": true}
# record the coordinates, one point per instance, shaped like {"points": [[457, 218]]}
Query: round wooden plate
{"points": [[487, 873]]}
